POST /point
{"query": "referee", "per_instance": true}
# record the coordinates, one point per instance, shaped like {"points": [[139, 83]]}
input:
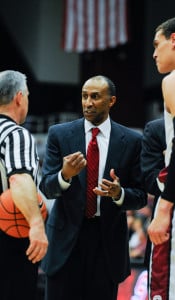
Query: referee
{"points": [[19, 257]]}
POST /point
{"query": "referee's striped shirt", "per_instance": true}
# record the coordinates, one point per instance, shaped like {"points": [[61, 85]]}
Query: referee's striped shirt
{"points": [[18, 153]]}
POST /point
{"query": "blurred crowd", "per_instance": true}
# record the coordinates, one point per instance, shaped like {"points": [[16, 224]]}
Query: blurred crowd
{"points": [[135, 286], [137, 224]]}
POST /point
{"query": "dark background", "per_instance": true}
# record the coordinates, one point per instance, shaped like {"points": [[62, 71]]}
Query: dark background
{"points": [[130, 66]]}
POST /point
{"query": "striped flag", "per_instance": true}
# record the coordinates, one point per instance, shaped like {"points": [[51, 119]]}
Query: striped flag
{"points": [[94, 24]]}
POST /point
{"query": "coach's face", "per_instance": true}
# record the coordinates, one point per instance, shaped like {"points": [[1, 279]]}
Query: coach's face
{"points": [[96, 101]]}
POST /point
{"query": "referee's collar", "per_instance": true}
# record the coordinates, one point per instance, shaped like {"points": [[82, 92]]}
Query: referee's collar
{"points": [[3, 116]]}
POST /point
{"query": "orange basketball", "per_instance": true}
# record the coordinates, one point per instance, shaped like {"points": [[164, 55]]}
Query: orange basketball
{"points": [[12, 221]]}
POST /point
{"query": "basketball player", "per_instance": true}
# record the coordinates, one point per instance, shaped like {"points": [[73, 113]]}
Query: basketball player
{"points": [[19, 257], [161, 229]]}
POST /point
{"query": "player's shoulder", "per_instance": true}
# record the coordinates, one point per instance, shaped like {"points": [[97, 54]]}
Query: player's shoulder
{"points": [[169, 79]]}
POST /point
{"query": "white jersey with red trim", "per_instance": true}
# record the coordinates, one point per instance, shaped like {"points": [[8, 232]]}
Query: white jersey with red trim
{"points": [[162, 260]]}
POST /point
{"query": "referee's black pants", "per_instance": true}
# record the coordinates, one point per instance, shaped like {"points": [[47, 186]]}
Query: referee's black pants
{"points": [[18, 276]]}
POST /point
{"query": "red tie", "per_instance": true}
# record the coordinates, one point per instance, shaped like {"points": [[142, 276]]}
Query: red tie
{"points": [[92, 174]]}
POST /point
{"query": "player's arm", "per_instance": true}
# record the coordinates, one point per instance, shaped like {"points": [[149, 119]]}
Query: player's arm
{"points": [[168, 93]]}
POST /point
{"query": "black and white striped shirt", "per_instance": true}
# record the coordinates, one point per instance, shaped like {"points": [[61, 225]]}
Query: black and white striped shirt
{"points": [[18, 153]]}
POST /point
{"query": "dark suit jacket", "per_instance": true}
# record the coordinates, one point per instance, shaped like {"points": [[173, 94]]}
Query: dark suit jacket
{"points": [[152, 161], [66, 217], [152, 157]]}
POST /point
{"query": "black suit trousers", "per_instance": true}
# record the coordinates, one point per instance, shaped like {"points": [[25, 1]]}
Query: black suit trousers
{"points": [[85, 275]]}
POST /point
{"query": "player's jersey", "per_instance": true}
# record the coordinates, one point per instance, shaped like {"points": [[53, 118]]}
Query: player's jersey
{"points": [[162, 259]]}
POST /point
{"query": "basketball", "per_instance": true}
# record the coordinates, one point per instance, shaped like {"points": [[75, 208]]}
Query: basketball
{"points": [[12, 221]]}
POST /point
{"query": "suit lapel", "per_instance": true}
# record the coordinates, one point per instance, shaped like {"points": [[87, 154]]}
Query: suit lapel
{"points": [[77, 143], [77, 137], [116, 149]]}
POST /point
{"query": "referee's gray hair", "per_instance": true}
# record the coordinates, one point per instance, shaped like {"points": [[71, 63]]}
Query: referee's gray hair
{"points": [[11, 82]]}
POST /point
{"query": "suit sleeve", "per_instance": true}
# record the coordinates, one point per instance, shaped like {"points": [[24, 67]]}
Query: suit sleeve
{"points": [[152, 158]]}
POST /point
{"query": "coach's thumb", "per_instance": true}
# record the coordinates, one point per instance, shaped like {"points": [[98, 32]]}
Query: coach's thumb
{"points": [[113, 175]]}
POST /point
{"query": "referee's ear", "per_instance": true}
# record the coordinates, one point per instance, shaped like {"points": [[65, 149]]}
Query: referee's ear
{"points": [[18, 98]]}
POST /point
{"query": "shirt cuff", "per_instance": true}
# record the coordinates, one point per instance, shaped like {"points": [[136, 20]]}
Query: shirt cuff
{"points": [[63, 184], [120, 201]]}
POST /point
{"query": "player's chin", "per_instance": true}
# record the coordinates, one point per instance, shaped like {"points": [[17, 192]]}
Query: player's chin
{"points": [[163, 70]]}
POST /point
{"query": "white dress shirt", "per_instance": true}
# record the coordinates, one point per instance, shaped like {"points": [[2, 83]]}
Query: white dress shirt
{"points": [[103, 143]]}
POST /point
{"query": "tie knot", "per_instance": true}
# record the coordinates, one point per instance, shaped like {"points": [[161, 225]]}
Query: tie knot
{"points": [[95, 131]]}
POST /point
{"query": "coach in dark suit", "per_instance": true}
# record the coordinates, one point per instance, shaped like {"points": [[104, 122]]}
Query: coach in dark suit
{"points": [[152, 161], [88, 257]]}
